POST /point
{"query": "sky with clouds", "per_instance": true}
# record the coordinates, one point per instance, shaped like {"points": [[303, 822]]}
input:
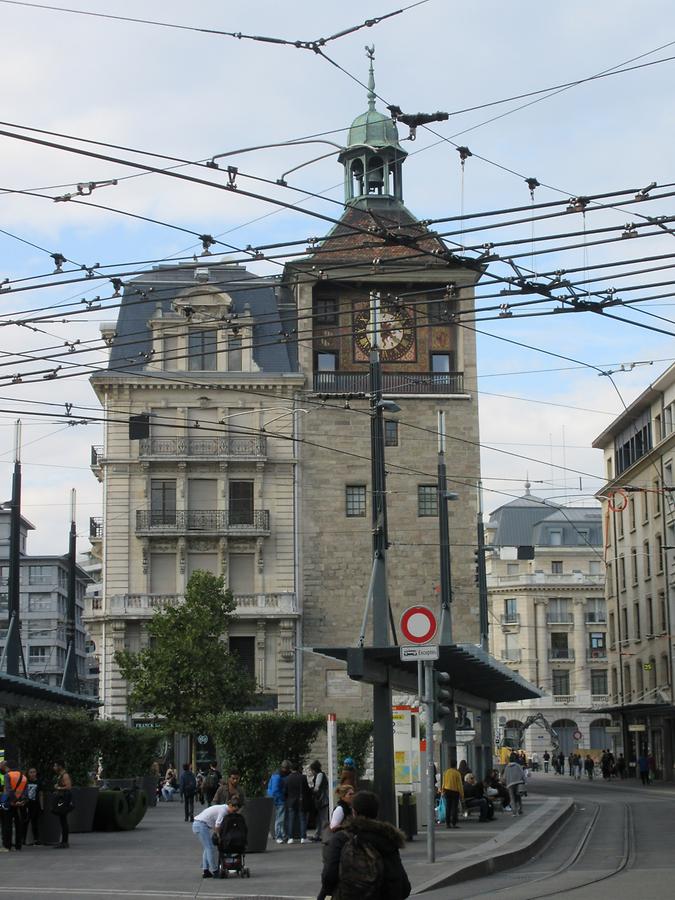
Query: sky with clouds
{"points": [[192, 95]]}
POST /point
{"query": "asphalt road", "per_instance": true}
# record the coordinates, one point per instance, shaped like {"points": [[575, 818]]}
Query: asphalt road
{"points": [[619, 843]]}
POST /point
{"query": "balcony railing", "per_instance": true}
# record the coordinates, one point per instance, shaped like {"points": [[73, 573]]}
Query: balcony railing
{"points": [[203, 520], [240, 447], [95, 528], [593, 654], [511, 655], [600, 699], [392, 382], [596, 618], [510, 619], [558, 654], [283, 604], [563, 698], [547, 578], [560, 618]]}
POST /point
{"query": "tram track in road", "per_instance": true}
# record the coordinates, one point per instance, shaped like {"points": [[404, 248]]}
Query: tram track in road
{"points": [[526, 889]]}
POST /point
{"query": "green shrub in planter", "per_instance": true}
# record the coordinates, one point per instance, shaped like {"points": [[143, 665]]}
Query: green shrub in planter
{"points": [[256, 743], [125, 752], [119, 810], [354, 739], [43, 736]]}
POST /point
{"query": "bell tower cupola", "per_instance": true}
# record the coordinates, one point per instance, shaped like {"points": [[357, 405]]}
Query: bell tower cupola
{"points": [[373, 157]]}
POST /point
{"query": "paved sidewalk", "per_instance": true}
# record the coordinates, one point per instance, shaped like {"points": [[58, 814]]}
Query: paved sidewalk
{"points": [[162, 858]]}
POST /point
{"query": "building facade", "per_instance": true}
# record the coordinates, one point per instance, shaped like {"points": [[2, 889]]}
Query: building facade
{"points": [[43, 607], [428, 366], [191, 479], [257, 460], [639, 510], [548, 618]]}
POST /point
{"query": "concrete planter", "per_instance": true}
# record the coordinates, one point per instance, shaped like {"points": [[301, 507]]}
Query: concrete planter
{"points": [[258, 813], [81, 819]]}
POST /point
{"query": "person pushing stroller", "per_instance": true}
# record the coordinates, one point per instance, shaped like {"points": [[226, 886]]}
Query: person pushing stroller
{"points": [[232, 840]]}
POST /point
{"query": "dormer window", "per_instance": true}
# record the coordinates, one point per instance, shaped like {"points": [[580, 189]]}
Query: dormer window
{"points": [[202, 350]]}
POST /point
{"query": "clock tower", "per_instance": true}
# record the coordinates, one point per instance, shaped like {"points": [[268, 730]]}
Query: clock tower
{"points": [[428, 365]]}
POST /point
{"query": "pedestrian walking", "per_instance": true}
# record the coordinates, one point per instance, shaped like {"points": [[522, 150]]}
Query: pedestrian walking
{"points": [[578, 766], [275, 790], [188, 788], [320, 796], [453, 792], [298, 799], [343, 808], [621, 766], [348, 774], [547, 761], [62, 804], [643, 767], [12, 804], [589, 766], [230, 788], [205, 824], [561, 762], [363, 858], [514, 779]]}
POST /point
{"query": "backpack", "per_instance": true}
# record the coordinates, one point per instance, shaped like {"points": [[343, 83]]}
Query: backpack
{"points": [[320, 791], [233, 834], [211, 782], [361, 871]]}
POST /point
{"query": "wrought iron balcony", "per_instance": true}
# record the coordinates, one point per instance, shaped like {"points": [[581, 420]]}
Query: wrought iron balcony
{"points": [[561, 654], [560, 618], [95, 528], [595, 654], [248, 521], [96, 461], [392, 382], [510, 619], [207, 447], [596, 618]]}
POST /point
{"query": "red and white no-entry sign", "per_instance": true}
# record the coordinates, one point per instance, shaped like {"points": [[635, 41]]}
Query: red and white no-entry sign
{"points": [[418, 624]]}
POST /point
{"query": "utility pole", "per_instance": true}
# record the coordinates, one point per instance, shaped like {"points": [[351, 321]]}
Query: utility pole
{"points": [[383, 737], [428, 699], [69, 682], [482, 576], [448, 740], [13, 654]]}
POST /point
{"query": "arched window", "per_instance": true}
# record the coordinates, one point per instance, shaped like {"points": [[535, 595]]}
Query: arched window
{"points": [[565, 729], [357, 178], [375, 175], [598, 735]]}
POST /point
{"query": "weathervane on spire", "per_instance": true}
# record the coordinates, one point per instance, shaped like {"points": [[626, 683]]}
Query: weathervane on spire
{"points": [[370, 53]]}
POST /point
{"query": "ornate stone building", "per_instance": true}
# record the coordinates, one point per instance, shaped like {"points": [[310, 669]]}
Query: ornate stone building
{"points": [[548, 618], [190, 479]]}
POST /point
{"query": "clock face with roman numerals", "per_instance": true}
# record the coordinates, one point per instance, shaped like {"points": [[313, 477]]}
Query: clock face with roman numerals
{"points": [[398, 334]]}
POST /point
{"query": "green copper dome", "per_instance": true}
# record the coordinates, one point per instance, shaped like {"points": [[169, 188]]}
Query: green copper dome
{"points": [[374, 129]]}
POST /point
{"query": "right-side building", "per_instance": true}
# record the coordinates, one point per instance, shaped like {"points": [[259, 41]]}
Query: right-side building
{"points": [[545, 576], [639, 527]]}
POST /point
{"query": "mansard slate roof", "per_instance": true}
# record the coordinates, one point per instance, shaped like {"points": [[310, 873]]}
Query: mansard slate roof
{"points": [[261, 296], [347, 241], [526, 521]]}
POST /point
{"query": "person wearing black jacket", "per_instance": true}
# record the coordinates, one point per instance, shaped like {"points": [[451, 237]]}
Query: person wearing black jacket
{"points": [[298, 798], [188, 788], [379, 836], [474, 796]]}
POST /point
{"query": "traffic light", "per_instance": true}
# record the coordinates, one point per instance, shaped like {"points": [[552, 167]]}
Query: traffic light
{"points": [[476, 574], [442, 697]]}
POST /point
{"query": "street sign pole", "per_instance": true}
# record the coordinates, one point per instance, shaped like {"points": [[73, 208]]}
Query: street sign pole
{"points": [[431, 780]]}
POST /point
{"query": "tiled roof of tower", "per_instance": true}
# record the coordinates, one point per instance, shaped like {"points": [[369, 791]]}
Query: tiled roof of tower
{"points": [[348, 242]]}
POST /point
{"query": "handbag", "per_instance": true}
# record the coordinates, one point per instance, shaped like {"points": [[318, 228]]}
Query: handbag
{"points": [[441, 810], [62, 803]]}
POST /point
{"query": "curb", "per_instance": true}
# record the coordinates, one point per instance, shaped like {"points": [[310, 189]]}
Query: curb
{"points": [[484, 860]]}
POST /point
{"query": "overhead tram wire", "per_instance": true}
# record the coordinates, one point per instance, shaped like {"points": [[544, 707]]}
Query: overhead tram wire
{"points": [[298, 44]]}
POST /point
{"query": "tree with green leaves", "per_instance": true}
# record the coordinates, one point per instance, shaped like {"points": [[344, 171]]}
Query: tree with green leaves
{"points": [[186, 673]]}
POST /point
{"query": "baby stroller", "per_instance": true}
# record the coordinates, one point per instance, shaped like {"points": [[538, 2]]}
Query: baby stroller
{"points": [[232, 847]]}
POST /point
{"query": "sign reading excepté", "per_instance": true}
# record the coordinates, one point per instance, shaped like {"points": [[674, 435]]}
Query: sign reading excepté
{"points": [[418, 624]]}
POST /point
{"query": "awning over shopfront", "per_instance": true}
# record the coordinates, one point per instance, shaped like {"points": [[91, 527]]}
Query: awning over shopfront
{"points": [[475, 675], [22, 693]]}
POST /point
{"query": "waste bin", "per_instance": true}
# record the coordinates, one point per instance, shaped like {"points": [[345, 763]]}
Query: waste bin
{"points": [[407, 814]]}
